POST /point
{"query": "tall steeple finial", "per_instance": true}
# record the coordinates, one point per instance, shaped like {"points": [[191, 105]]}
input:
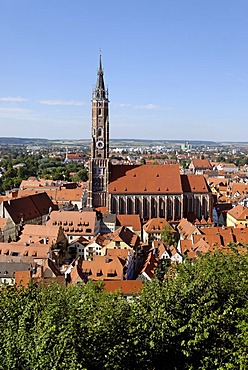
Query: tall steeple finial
{"points": [[100, 93], [100, 62]]}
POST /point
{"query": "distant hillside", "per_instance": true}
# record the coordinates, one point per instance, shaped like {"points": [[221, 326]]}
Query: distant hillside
{"points": [[113, 142]]}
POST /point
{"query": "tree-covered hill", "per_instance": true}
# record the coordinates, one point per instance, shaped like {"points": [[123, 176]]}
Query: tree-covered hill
{"points": [[195, 319]]}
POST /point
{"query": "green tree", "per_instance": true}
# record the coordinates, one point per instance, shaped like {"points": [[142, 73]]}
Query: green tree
{"points": [[196, 319], [81, 175], [169, 236]]}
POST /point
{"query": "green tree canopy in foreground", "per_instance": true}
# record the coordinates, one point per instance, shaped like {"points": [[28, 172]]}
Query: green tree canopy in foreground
{"points": [[196, 319]]}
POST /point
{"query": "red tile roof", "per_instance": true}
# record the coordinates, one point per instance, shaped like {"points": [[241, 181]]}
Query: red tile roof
{"points": [[126, 287], [29, 207], [156, 225], [194, 184], [201, 163], [3, 222], [74, 222], [239, 187], [150, 265], [22, 278], [36, 233], [104, 268], [145, 179], [35, 250], [239, 212], [126, 235], [129, 220]]}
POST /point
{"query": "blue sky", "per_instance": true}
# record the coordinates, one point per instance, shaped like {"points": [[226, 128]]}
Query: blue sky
{"points": [[175, 69]]}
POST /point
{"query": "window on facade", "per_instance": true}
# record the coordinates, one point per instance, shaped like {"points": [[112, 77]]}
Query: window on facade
{"points": [[169, 208], [191, 204], [198, 208], [111, 273], [114, 205], [129, 206], [137, 206], [122, 206], [145, 208], [177, 207], [153, 208]]}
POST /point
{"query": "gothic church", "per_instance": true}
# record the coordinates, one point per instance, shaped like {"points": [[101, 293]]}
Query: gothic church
{"points": [[147, 190]]}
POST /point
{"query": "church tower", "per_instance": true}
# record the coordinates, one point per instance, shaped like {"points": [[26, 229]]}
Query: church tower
{"points": [[99, 164]]}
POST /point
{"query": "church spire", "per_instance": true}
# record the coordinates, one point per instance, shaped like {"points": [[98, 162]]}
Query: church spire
{"points": [[100, 93]]}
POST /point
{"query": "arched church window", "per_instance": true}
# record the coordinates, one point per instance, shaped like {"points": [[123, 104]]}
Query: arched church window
{"points": [[99, 132]]}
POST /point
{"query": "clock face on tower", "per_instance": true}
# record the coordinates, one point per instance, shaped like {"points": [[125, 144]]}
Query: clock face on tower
{"points": [[100, 144]]}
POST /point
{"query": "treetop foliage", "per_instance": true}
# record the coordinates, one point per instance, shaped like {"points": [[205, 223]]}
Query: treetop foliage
{"points": [[196, 319]]}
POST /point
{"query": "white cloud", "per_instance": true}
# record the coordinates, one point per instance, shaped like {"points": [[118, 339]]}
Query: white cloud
{"points": [[124, 105], [11, 99], [22, 114], [143, 106], [148, 107], [61, 102]]}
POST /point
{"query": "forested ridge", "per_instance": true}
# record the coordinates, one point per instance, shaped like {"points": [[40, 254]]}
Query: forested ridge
{"points": [[195, 319]]}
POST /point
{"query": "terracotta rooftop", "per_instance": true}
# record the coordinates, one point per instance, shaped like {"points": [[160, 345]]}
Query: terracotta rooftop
{"points": [[126, 235], [239, 187], [121, 253], [103, 268], [36, 233], [59, 195], [194, 184], [3, 222], [22, 278], [160, 248], [74, 156], [99, 239], [186, 228], [74, 222], [239, 212], [33, 182], [126, 287], [156, 225], [150, 265], [29, 207], [201, 163], [145, 179], [222, 236], [185, 245], [217, 181], [35, 250], [129, 220]]}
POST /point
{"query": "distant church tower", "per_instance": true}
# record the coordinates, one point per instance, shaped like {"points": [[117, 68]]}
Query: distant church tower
{"points": [[99, 164]]}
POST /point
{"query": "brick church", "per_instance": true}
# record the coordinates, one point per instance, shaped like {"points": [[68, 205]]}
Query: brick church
{"points": [[147, 190]]}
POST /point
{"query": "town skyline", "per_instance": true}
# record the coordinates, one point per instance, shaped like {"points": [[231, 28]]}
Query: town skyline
{"points": [[174, 71]]}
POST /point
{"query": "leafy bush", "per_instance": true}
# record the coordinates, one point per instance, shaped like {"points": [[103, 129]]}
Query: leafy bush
{"points": [[195, 319]]}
